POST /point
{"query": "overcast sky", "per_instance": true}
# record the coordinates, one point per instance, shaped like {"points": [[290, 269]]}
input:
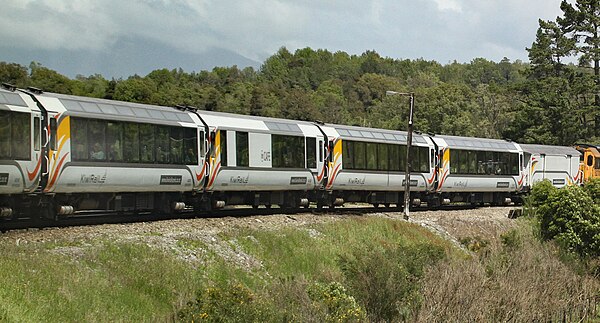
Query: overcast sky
{"points": [[137, 36]]}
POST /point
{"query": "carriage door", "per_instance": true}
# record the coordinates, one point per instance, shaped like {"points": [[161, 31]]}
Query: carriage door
{"points": [[37, 156], [50, 126]]}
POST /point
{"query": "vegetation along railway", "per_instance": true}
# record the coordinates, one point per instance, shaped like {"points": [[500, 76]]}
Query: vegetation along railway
{"points": [[64, 156]]}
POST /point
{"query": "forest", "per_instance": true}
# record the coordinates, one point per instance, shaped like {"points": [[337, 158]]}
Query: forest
{"points": [[552, 99]]}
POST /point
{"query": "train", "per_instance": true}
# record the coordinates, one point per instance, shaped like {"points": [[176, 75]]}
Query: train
{"points": [[65, 155]]}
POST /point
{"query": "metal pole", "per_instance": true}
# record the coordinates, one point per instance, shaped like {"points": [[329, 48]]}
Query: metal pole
{"points": [[408, 166]]}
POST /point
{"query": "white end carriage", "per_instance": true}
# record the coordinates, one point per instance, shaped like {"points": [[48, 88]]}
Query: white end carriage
{"points": [[558, 164], [116, 156], [263, 161], [368, 165], [20, 151], [479, 170]]}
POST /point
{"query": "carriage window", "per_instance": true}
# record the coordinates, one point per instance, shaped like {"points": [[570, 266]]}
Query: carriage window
{"points": [[21, 135], [394, 157], [311, 152], [161, 142], [360, 150], [472, 160], [371, 156], [454, 161], [37, 128], [15, 135], [223, 143], [597, 163], [114, 141], [288, 151], [79, 142], [190, 145], [146, 143], [320, 151], [5, 134], [382, 152], [402, 158], [590, 160], [176, 145], [131, 142], [97, 139], [242, 157], [348, 154]]}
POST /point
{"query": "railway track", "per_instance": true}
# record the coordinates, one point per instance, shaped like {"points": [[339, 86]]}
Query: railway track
{"points": [[97, 218]]}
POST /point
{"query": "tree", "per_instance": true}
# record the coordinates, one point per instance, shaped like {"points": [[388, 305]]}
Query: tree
{"points": [[13, 74], [49, 80], [582, 25]]}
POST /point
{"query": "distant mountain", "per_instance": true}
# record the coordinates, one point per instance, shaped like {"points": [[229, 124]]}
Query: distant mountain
{"points": [[125, 58]]}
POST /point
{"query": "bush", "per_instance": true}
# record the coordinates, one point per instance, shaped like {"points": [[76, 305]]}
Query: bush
{"points": [[538, 196], [339, 306], [386, 280], [571, 217], [592, 187], [231, 302]]}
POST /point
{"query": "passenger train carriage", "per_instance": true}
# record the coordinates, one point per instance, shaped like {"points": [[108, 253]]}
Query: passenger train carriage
{"points": [[368, 165], [263, 161], [479, 170], [20, 149], [109, 155], [559, 165], [63, 154]]}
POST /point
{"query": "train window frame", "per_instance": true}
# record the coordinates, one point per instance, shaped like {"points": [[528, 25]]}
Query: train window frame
{"points": [[394, 157], [114, 141], [242, 149], [147, 143], [223, 146], [382, 157], [348, 154], [287, 151], [96, 132], [311, 152], [371, 154], [161, 144], [321, 151], [37, 133], [5, 134], [79, 141], [131, 142]]}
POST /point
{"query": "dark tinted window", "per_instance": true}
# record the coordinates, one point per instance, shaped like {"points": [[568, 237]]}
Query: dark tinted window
{"points": [[311, 152], [241, 148]]}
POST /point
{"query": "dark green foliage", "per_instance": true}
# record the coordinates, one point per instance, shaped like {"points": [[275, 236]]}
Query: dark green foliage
{"points": [[569, 216], [386, 280], [592, 187]]}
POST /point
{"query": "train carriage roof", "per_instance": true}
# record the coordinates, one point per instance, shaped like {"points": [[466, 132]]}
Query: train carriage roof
{"points": [[362, 133], [472, 143], [549, 150], [119, 110], [11, 98], [248, 122]]}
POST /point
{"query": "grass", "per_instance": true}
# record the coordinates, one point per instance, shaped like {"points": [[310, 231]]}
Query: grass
{"points": [[349, 270], [114, 282]]}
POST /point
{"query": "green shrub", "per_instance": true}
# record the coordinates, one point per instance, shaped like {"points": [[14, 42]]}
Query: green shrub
{"points": [[339, 306], [538, 196], [386, 280], [230, 302], [571, 217], [592, 187]]}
